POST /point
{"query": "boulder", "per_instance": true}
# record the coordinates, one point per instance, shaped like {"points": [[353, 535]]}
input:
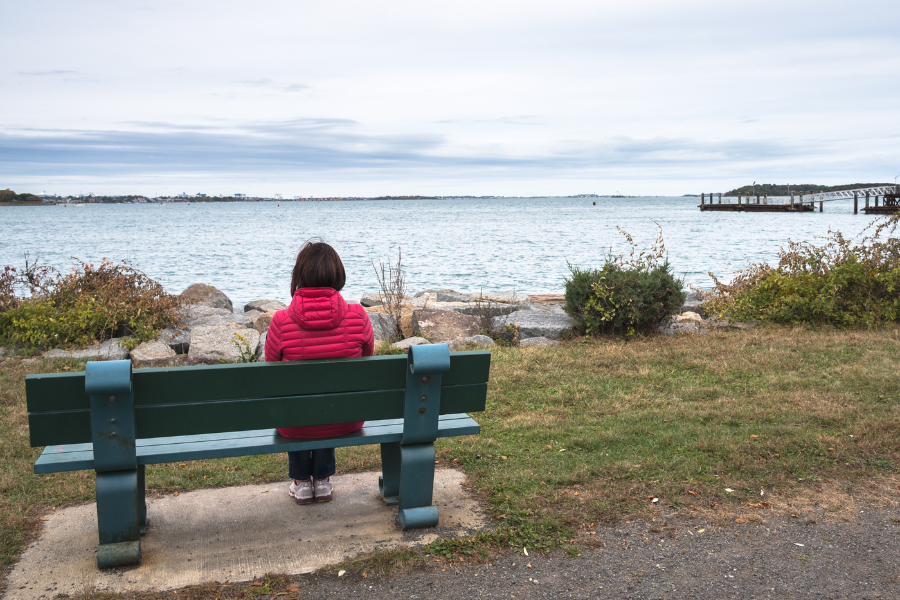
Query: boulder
{"points": [[264, 306], [200, 293], [552, 299], [110, 349], [478, 340], [153, 354], [506, 296], [193, 312], [261, 347], [488, 307], [178, 340], [538, 341], [433, 292], [444, 325], [377, 299], [410, 341], [406, 312], [688, 316], [222, 343], [537, 323], [453, 297], [261, 321], [241, 320], [384, 326], [673, 329], [694, 303]]}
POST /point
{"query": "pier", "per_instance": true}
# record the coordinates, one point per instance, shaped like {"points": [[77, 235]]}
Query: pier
{"points": [[890, 201]]}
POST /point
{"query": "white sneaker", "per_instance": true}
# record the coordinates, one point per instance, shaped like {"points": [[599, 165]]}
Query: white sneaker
{"points": [[302, 491], [323, 489]]}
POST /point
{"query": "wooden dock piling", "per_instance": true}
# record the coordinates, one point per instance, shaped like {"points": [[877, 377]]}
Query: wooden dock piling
{"points": [[855, 203]]}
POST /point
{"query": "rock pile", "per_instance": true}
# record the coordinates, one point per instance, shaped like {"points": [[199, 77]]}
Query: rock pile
{"points": [[212, 332]]}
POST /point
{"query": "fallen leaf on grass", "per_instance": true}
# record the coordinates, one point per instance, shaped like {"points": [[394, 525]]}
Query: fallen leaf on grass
{"points": [[729, 490], [690, 492], [549, 447], [175, 494], [293, 589], [654, 501], [740, 521], [256, 584], [754, 437], [701, 531], [525, 550], [341, 573], [44, 519]]}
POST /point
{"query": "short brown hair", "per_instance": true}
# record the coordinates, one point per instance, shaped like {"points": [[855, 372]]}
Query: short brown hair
{"points": [[318, 266]]}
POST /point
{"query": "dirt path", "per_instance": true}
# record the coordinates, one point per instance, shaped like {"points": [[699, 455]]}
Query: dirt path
{"points": [[782, 558]]}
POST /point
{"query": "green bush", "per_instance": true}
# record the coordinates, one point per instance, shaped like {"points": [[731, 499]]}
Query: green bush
{"points": [[88, 305], [837, 283], [626, 296]]}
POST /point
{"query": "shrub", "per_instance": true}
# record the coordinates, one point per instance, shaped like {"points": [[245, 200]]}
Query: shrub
{"points": [[838, 283], [90, 304], [626, 296]]}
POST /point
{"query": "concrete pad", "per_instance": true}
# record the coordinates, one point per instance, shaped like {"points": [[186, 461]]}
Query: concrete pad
{"points": [[235, 534]]}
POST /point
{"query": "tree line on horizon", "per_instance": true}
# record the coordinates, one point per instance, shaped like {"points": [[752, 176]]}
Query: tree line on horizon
{"points": [[775, 189]]}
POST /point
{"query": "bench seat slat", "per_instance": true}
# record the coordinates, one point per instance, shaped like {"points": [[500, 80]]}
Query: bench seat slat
{"points": [[77, 457]]}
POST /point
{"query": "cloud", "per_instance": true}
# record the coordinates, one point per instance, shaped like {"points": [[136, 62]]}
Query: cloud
{"points": [[45, 73], [296, 87]]}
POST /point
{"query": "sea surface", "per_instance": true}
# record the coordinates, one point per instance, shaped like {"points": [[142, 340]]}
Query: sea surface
{"points": [[247, 249]]}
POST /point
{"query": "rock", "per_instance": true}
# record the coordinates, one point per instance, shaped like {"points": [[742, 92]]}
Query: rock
{"points": [[444, 325], [261, 321], [240, 320], [369, 300], [264, 306], [193, 312], [688, 316], [182, 360], [406, 312], [507, 296], [434, 292], [377, 299], [410, 341], [214, 344], [547, 309], [200, 293], [178, 340], [537, 323], [453, 297], [261, 347], [551, 299], [157, 353], [478, 340], [538, 341], [110, 349], [693, 303], [384, 326], [673, 329]]}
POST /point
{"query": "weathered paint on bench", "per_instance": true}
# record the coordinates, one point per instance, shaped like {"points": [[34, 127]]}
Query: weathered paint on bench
{"points": [[116, 421]]}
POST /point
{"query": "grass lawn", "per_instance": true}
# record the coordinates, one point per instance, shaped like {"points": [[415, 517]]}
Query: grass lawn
{"points": [[594, 430]]}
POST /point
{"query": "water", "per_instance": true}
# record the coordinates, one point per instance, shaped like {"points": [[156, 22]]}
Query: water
{"points": [[247, 249]]}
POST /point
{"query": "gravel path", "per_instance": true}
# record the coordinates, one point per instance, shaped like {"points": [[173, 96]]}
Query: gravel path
{"points": [[780, 558]]}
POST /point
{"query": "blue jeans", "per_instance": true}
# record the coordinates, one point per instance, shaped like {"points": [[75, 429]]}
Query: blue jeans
{"points": [[316, 463]]}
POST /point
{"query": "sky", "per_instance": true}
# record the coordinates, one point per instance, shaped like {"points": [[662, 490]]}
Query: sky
{"points": [[347, 98]]}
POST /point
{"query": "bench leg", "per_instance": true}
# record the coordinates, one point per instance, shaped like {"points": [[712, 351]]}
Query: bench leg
{"points": [[417, 487], [118, 518], [142, 499], [389, 482]]}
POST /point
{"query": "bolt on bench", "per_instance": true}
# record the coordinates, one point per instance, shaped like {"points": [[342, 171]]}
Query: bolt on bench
{"points": [[115, 421]]}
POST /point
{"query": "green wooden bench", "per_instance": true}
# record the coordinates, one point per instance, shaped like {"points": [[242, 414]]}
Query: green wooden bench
{"points": [[115, 421]]}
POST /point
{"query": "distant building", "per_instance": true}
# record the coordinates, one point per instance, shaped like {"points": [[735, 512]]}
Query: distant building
{"points": [[240, 195]]}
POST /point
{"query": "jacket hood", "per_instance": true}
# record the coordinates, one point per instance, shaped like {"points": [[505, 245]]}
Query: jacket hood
{"points": [[317, 308]]}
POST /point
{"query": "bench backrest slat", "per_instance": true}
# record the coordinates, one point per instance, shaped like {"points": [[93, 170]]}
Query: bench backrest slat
{"points": [[190, 401]]}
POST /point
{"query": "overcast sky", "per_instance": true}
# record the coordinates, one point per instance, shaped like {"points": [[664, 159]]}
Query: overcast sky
{"points": [[514, 98]]}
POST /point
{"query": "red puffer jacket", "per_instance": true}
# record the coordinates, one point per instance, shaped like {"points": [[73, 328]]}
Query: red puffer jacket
{"points": [[319, 324]]}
